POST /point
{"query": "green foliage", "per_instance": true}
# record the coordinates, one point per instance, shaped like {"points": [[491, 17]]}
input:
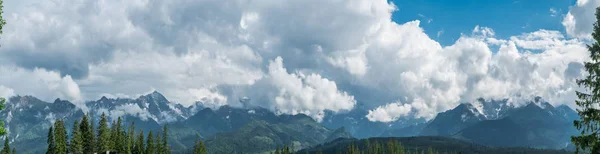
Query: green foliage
{"points": [[2, 21], [589, 99], [166, 149], [417, 145], [6, 149], [158, 145], [130, 138], [121, 143], [87, 132], [60, 137], [352, 149], [2, 100], [103, 141], [76, 143], [150, 148], [199, 147], [139, 144], [51, 144]]}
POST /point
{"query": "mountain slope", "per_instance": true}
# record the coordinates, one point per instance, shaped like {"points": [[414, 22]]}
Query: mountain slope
{"points": [[299, 131], [27, 120], [538, 125], [452, 121], [422, 143]]}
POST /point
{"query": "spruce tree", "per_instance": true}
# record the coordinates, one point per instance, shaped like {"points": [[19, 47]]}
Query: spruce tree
{"points": [[368, 146], [87, 133], [121, 138], [60, 137], [76, 143], [589, 99], [50, 141], [202, 148], [158, 147], [150, 148], [196, 146], [139, 144], [6, 149], [113, 136], [93, 133], [130, 138], [165, 144], [103, 136], [2, 100]]}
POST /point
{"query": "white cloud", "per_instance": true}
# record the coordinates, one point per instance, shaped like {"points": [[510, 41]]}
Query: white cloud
{"points": [[219, 51], [208, 97], [47, 85], [389, 112], [553, 12], [6, 92], [129, 109], [580, 19], [308, 94]]}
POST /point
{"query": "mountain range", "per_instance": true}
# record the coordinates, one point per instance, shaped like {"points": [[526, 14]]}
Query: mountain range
{"points": [[228, 129]]}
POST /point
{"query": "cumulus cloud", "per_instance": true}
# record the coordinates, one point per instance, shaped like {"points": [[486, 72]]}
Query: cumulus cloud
{"points": [[579, 21], [307, 94], [129, 109], [390, 112], [6, 92], [336, 54], [47, 85]]}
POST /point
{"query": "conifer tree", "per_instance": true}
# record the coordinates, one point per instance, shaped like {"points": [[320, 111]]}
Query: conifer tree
{"points": [[60, 137], [158, 145], [165, 144], [93, 140], [6, 149], [588, 99], [202, 148], [50, 141], [150, 148], [87, 133], [277, 151], [130, 138], [430, 151], [368, 147], [199, 147], [121, 144], [2, 100], [139, 144], [76, 143], [103, 137], [196, 146], [113, 136]]}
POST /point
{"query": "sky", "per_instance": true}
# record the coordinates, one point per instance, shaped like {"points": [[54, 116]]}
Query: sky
{"points": [[393, 58], [507, 17]]}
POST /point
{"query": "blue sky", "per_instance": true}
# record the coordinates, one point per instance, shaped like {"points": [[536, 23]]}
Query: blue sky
{"points": [[506, 17], [298, 56]]}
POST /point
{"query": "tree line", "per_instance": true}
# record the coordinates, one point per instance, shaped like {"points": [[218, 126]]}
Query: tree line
{"points": [[86, 138], [392, 146]]}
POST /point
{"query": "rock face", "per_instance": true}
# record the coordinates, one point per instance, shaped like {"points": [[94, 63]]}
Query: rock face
{"points": [[497, 123], [28, 119]]}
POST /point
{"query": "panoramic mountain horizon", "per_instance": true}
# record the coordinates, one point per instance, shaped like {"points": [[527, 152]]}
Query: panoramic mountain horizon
{"points": [[312, 76]]}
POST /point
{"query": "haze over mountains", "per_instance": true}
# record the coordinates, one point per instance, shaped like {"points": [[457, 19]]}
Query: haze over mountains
{"points": [[486, 122]]}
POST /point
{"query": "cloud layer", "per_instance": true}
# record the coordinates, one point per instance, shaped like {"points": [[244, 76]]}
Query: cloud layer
{"points": [[280, 56]]}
